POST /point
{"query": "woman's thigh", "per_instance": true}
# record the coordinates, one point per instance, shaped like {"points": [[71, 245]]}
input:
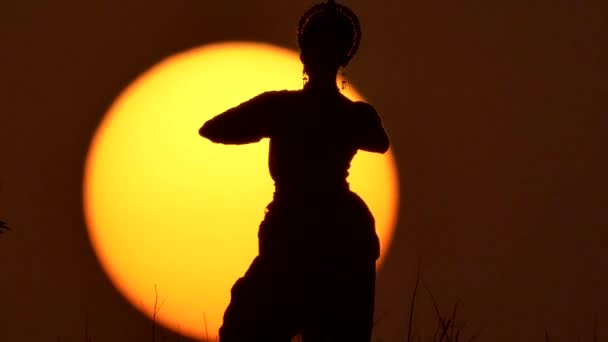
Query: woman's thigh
{"points": [[344, 308], [325, 302], [260, 308]]}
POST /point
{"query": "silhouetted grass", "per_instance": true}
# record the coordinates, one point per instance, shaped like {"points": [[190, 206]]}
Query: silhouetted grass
{"points": [[449, 327]]}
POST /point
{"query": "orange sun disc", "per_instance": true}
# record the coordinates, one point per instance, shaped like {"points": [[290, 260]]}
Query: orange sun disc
{"points": [[166, 208]]}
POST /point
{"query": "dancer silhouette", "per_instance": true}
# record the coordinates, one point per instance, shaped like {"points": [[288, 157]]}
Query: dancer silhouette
{"points": [[315, 272]]}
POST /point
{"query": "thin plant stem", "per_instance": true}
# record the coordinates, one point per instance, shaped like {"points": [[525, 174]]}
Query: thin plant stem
{"points": [[411, 319]]}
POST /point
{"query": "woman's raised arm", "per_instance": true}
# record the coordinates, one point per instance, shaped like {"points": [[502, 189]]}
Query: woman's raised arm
{"points": [[246, 123]]}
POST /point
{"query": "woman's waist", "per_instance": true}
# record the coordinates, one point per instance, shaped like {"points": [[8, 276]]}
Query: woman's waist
{"points": [[308, 189], [327, 211], [287, 237]]}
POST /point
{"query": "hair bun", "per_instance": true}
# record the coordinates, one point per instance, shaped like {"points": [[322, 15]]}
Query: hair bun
{"points": [[332, 14]]}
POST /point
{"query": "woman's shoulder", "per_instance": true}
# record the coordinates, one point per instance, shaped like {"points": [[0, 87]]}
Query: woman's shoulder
{"points": [[363, 108], [361, 113], [269, 100], [357, 106], [279, 94], [276, 97]]}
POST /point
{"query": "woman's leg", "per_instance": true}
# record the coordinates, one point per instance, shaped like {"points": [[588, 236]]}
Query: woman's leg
{"points": [[259, 309], [344, 309]]}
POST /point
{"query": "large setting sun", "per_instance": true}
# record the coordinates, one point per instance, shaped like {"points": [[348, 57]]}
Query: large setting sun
{"points": [[167, 209]]}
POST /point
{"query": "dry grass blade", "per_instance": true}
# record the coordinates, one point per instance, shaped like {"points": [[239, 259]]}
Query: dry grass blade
{"points": [[453, 327], [154, 315], [409, 328], [380, 318], [595, 323], [444, 333], [443, 325], [206, 329], [156, 310], [87, 338]]}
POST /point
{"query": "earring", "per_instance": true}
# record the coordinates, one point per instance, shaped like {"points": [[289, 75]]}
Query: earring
{"points": [[343, 80], [304, 78]]}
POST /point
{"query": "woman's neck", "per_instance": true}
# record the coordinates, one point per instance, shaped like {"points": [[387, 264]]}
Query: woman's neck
{"points": [[322, 85]]}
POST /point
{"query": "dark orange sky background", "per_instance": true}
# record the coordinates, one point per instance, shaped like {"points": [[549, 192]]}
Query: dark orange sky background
{"points": [[498, 115]]}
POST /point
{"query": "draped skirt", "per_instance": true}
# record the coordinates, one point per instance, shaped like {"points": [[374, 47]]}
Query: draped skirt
{"points": [[314, 275]]}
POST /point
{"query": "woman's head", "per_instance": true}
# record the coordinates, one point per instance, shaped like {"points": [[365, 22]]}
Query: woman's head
{"points": [[328, 36]]}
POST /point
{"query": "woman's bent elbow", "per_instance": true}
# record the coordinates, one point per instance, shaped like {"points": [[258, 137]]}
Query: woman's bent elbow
{"points": [[206, 132], [379, 146], [381, 143], [382, 146]]}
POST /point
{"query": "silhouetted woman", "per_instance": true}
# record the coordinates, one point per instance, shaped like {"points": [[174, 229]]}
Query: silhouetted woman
{"points": [[315, 272]]}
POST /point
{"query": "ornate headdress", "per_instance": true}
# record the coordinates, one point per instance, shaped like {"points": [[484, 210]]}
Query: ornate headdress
{"points": [[331, 16]]}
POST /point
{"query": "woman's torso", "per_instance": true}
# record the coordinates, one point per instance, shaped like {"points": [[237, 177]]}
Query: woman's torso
{"points": [[313, 140]]}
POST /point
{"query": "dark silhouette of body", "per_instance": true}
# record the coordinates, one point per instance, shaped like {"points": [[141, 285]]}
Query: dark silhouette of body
{"points": [[315, 272]]}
